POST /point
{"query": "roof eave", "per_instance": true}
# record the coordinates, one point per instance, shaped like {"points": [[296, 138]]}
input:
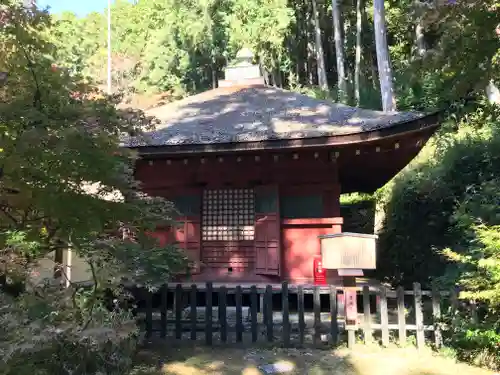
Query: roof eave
{"points": [[428, 122]]}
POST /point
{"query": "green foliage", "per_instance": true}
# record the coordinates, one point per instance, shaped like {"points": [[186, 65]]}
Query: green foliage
{"points": [[38, 336], [181, 47], [425, 201], [173, 46], [61, 155], [442, 223], [477, 343], [354, 198], [66, 183], [358, 212]]}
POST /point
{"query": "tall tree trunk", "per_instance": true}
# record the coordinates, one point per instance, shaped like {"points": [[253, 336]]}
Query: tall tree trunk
{"points": [[215, 82], [383, 58], [357, 67], [310, 64], [265, 74], [300, 51], [368, 52], [419, 38], [277, 78], [320, 55], [309, 27], [420, 47], [339, 52]]}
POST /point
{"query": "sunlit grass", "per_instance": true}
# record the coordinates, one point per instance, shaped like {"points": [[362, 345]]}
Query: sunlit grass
{"points": [[246, 361]]}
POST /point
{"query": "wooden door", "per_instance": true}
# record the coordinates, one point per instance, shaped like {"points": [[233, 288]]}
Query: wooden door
{"points": [[267, 231]]}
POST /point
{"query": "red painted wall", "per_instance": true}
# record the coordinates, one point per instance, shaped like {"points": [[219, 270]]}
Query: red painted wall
{"points": [[311, 173], [301, 245]]}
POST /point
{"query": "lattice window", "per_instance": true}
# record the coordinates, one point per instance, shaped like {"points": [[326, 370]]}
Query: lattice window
{"points": [[228, 215]]}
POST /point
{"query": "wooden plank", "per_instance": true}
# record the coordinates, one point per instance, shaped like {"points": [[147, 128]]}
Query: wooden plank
{"points": [[268, 307], [263, 300], [351, 337], [367, 331], [334, 327], [192, 313], [436, 314], [178, 311], [419, 315], [208, 314], [308, 288], [223, 313], [286, 315], [239, 314], [164, 307], [149, 314], [401, 315], [317, 316], [374, 326], [300, 306], [384, 316], [254, 302]]}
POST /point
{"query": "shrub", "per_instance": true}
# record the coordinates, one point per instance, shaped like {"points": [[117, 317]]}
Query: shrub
{"points": [[443, 226], [40, 334]]}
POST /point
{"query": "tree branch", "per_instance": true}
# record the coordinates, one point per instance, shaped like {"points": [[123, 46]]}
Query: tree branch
{"points": [[4, 210], [37, 98], [94, 295]]}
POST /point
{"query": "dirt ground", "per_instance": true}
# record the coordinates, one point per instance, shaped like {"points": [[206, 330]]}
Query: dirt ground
{"points": [[240, 361]]}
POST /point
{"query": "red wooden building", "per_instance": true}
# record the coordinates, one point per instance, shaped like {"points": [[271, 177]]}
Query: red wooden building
{"points": [[257, 172]]}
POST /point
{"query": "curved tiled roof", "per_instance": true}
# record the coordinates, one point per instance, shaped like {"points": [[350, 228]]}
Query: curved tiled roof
{"points": [[259, 113]]}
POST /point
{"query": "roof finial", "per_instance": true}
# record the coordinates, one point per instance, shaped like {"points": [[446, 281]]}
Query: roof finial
{"points": [[242, 70]]}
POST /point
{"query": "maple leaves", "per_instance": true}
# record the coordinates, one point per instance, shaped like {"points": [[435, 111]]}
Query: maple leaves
{"points": [[58, 146]]}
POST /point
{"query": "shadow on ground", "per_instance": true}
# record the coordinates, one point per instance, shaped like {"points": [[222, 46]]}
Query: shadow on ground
{"points": [[165, 359]]}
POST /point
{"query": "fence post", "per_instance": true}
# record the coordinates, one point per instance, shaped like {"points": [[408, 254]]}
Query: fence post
{"points": [[317, 315], [223, 313], [208, 314], [178, 311], [239, 314], [286, 314], [384, 316], [400, 293], [419, 315], [268, 307], [367, 331], [436, 314], [300, 303], [193, 313], [334, 327], [149, 314], [350, 303], [253, 312], [163, 312]]}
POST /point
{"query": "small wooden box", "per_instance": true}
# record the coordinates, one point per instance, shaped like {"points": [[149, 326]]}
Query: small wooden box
{"points": [[348, 251]]}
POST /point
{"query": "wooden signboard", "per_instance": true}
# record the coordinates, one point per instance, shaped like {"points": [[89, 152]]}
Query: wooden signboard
{"points": [[348, 251]]}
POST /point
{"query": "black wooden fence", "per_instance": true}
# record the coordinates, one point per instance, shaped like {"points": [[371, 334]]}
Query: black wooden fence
{"points": [[398, 314]]}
